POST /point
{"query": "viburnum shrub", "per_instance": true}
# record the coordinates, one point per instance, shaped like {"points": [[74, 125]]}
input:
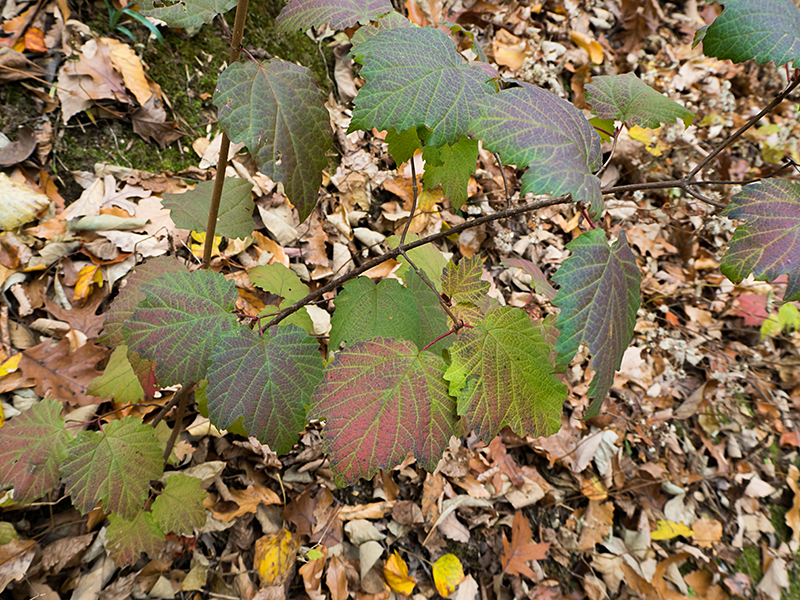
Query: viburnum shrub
{"points": [[410, 364]]}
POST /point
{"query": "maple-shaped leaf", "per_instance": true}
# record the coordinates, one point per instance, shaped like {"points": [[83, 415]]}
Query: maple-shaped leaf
{"points": [[463, 283], [391, 20], [382, 399], [531, 127], [130, 295], [599, 298], [127, 539], [114, 466], [180, 321], [118, 381], [32, 448], [501, 376], [338, 14], [764, 30], [276, 109], [189, 210], [767, 244], [402, 146], [630, 100], [183, 14], [365, 310], [521, 548], [179, 506], [427, 257], [416, 78], [451, 167], [432, 318], [267, 380]]}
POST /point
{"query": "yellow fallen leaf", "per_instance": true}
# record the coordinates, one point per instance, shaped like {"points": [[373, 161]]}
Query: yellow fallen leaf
{"points": [[275, 555], [10, 365], [128, 63], [395, 571], [447, 574], [669, 529], [199, 240], [88, 277], [592, 46], [650, 137]]}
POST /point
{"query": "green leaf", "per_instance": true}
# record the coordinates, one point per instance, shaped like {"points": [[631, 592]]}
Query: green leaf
{"points": [[365, 310], [599, 297], [416, 78], [338, 14], [382, 399], [183, 14], [501, 376], [428, 258], [432, 318], [282, 281], [32, 447], [768, 242], [630, 100], [789, 316], [127, 539], [190, 209], [604, 128], [392, 20], [266, 380], [114, 467], [402, 146], [463, 282], [202, 407], [276, 109], [130, 295], [118, 381], [764, 30], [532, 127], [451, 166], [179, 506], [181, 319]]}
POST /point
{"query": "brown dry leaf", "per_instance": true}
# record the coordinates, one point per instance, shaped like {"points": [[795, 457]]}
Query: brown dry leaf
{"points": [[275, 555], [311, 572], [336, 579], [20, 203], [16, 152], [247, 500], [150, 122], [509, 50], [793, 514], [375, 510], [588, 43], [62, 552], [521, 549], [82, 319], [14, 66], [126, 62], [707, 532], [265, 244], [15, 558], [597, 524]]}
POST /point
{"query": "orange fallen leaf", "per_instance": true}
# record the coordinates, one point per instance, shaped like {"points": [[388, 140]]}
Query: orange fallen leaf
{"points": [[34, 40], [521, 548], [88, 277], [447, 574], [592, 46], [707, 532], [793, 514], [395, 571]]}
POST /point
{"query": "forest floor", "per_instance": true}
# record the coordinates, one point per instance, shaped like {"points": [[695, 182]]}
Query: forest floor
{"points": [[686, 485]]}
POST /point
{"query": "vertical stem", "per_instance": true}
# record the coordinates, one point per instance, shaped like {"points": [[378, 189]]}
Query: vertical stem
{"points": [[222, 162], [176, 428]]}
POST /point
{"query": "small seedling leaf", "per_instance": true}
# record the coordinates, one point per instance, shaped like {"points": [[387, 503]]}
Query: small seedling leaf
{"points": [[451, 167], [189, 210]]}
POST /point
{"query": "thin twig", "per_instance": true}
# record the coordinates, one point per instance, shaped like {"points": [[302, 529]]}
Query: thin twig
{"points": [[413, 202], [170, 405], [176, 428], [505, 181], [610, 155]]}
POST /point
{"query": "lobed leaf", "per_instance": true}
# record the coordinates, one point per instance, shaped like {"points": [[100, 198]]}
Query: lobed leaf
{"points": [[276, 109], [764, 30], [391, 20], [501, 376], [402, 146], [767, 244], [451, 166], [338, 14], [432, 318], [183, 14], [189, 209], [32, 448], [628, 99], [599, 298], [118, 381], [114, 467], [179, 506], [268, 381], [127, 539], [180, 321], [532, 127], [463, 283], [381, 399], [282, 281], [416, 78], [428, 258]]}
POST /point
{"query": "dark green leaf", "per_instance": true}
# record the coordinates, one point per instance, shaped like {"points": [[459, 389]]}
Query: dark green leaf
{"points": [[451, 166], [183, 14], [392, 20], [190, 209], [402, 146], [338, 14], [179, 506]]}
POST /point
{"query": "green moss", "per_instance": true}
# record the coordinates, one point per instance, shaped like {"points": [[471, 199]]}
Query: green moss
{"points": [[18, 107], [749, 563], [777, 516]]}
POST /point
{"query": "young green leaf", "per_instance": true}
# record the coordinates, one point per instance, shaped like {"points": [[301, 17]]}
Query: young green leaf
{"points": [[768, 242], [382, 399], [416, 78], [127, 539], [118, 381], [266, 380], [282, 281], [189, 209], [428, 258], [764, 30], [501, 376], [276, 109], [338, 14], [599, 297], [532, 127], [114, 466], [179, 506], [180, 321], [628, 99], [451, 166], [402, 146], [183, 14], [32, 447], [463, 282], [432, 318]]}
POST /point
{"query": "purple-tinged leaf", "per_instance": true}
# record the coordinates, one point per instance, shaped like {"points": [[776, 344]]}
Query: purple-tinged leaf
{"points": [[501, 376], [538, 279], [183, 14], [276, 109], [118, 381], [764, 30], [451, 167], [531, 127], [180, 321], [599, 297], [416, 78], [179, 506], [32, 447], [268, 381], [130, 295], [628, 99], [767, 244], [392, 20], [127, 539], [189, 209], [338, 14], [382, 399], [114, 467], [463, 282]]}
